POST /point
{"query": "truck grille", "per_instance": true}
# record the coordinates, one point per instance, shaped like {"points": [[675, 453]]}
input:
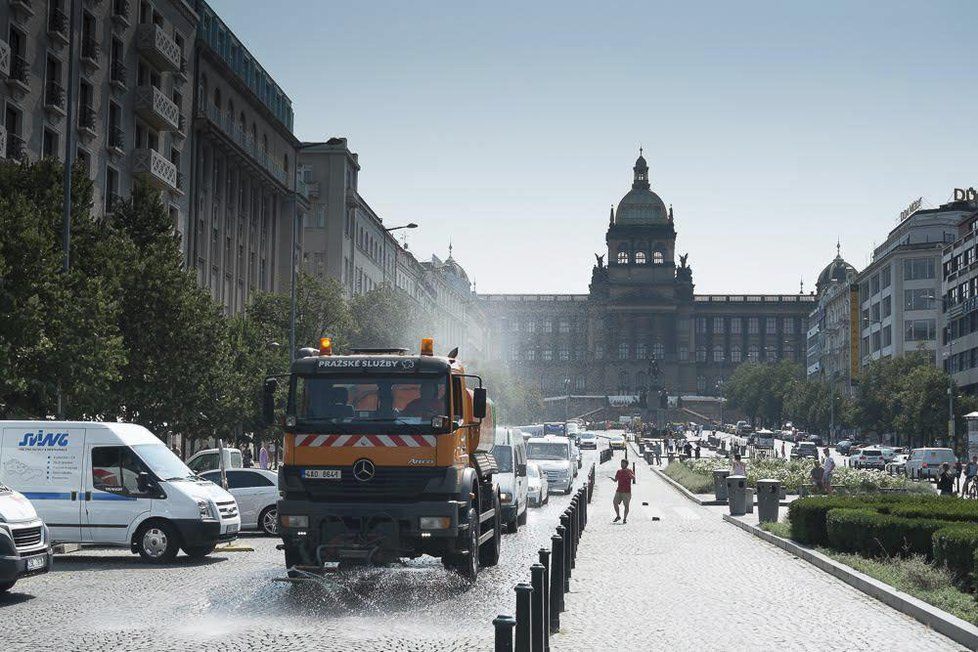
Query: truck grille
{"points": [[27, 537], [393, 484], [228, 509]]}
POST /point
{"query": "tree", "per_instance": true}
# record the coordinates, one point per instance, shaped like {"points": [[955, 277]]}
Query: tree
{"points": [[389, 318], [759, 390], [58, 331], [515, 403]]}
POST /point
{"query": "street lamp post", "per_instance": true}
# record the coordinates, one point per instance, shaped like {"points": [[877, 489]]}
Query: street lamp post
{"points": [[411, 225]]}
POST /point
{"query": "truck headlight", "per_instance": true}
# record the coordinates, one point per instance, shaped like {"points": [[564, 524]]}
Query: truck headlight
{"points": [[435, 522], [294, 520], [505, 497]]}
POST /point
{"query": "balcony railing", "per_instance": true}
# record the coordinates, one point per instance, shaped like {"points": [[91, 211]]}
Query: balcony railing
{"points": [[231, 129], [16, 148], [156, 168], [58, 24], [87, 118], [4, 59], [116, 138], [160, 49], [54, 96], [117, 75], [91, 51], [156, 108], [20, 72]]}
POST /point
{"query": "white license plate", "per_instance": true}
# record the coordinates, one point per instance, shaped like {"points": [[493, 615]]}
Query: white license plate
{"points": [[232, 528], [321, 474], [36, 563]]}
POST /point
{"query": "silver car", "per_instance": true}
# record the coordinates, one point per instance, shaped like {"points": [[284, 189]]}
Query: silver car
{"points": [[553, 455]]}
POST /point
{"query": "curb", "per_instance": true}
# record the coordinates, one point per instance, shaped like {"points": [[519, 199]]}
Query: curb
{"points": [[684, 491], [940, 621]]}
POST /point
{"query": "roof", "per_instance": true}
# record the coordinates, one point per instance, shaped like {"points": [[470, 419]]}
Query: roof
{"points": [[640, 205], [836, 271]]}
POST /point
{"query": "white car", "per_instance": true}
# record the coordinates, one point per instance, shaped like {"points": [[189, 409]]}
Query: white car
{"points": [[256, 491], [871, 457], [538, 490], [616, 441], [926, 462], [898, 465]]}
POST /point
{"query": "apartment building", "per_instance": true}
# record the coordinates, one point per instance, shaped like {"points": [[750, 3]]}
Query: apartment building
{"points": [[164, 91], [960, 284]]}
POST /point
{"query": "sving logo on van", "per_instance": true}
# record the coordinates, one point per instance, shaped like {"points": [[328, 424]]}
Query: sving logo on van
{"points": [[40, 438]]}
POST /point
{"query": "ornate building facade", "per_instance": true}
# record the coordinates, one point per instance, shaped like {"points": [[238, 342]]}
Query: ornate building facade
{"points": [[641, 326]]}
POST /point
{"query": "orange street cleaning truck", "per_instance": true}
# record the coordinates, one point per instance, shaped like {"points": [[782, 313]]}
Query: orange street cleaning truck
{"points": [[387, 456]]}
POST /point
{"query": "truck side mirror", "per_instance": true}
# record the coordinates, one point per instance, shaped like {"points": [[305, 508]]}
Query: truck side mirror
{"points": [[479, 402], [268, 401]]}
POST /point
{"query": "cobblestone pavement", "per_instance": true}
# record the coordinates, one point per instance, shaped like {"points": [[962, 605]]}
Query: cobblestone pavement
{"points": [[692, 582], [108, 600]]}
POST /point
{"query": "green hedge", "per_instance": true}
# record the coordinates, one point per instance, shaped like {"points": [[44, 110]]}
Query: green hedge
{"points": [[943, 508], [867, 532], [808, 515], [956, 547]]}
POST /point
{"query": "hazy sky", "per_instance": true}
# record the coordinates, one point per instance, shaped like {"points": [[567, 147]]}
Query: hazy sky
{"points": [[510, 128]]}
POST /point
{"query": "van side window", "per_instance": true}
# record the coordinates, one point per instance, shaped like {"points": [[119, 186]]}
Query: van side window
{"points": [[457, 398], [116, 469]]}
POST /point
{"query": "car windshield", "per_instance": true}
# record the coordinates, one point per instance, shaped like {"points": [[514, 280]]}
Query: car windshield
{"points": [[504, 458], [163, 462], [546, 451], [588, 435], [384, 400], [872, 453]]}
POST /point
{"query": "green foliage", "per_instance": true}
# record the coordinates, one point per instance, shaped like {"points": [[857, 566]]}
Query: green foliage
{"points": [[515, 403], [759, 390], [778, 529], [870, 533], [955, 548], [808, 516], [694, 481], [386, 317]]}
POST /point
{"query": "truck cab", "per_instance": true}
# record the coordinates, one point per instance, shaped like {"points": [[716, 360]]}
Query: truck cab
{"points": [[387, 456]]}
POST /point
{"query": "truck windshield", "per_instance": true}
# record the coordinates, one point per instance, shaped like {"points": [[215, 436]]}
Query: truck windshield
{"points": [[545, 451], [385, 400]]}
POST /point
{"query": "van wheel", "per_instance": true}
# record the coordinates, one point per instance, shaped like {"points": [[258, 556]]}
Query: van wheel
{"points": [[157, 542], [268, 520], [489, 551], [6, 586], [199, 552]]}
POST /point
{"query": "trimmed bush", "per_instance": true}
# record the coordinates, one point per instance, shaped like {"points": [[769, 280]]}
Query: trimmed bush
{"points": [[867, 532], [807, 515], [955, 547], [939, 507]]}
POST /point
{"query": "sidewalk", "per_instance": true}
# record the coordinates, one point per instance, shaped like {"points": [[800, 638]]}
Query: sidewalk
{"points": [[692, 582]]}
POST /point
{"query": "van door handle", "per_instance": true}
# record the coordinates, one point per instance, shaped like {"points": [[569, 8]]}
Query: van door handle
{"points": [[88, 495], [74, 495]]}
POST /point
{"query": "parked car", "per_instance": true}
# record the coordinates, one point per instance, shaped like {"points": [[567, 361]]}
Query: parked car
{"points": [[804, 449], [209, 460], [256, 491], [925, 463], [511, 476], [588, 440], [553, 456], [25, 548], [815, 439], [898, 465], [537, 488], [870, 457]]}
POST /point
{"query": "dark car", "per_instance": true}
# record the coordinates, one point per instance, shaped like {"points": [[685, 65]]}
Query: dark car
{"points": [[815, 439], [804, 449]]}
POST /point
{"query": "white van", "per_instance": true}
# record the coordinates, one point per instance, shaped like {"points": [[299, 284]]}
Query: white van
{"points": [[510, 453], [210, 460], [25, 549], [114, 484]]}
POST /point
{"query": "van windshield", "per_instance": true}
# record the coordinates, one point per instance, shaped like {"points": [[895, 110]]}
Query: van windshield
{"points": [[545, 451], [163, 462], [504, 458]]}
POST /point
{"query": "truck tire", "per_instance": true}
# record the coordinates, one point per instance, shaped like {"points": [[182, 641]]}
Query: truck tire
{"points": [[292, 557], [489, 551], [157, 542], [513, 526], [467, 563], [522, 518]]}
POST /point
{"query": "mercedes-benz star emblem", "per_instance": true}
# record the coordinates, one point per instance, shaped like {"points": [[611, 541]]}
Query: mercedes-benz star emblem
{"points": [[363, 470]]}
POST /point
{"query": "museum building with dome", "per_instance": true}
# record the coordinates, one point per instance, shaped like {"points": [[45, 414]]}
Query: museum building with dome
{"points": [[641, 326]]}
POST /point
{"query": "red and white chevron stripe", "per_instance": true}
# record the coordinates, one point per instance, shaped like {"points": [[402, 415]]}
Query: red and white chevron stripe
{"points": [[367, 441]]}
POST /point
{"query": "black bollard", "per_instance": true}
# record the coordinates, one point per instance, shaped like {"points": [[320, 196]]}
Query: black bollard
{"points": [[556, 581], [524, 623], [567, 520], [565, 562], [538, 619], [574, 533], [504, 633], [583, 509], [544, 556]]}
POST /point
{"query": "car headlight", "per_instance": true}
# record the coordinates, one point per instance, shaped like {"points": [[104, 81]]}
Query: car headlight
{"points": [[505, 497], [205, 509], [294, 520]]}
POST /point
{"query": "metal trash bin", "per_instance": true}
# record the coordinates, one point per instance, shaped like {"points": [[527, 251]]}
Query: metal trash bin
{"points": [[768, 499], [720, 483], [737, 494], [749, 500]]}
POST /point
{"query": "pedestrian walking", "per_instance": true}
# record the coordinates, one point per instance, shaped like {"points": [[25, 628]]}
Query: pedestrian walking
{"points": [[827, 470], [696, 450], [657, 451], [958, 467], [782, 449], [816, 476], [263, 457], [247, 461], [945, 481], [739, 467], [623, 493], [970, 471]]}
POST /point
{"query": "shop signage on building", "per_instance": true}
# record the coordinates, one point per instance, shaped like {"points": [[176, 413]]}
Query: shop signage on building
{"points": [[911, 209], [969, 195]]}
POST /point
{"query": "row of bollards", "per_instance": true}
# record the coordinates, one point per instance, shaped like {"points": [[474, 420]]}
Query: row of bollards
{"points": [[540, 602]]}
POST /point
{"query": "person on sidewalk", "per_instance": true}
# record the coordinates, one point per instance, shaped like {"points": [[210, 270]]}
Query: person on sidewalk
{"points": [[970, 471], [827, 470], [958, 468], [623, 493], [739, 467], [945, 482], [816, 476]]}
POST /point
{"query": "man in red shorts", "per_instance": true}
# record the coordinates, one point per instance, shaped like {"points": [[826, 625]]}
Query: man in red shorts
{"points": [[623, 494]]}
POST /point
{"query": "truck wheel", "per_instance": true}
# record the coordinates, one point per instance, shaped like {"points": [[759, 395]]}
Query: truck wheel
{"points": [[513, 526], [292, 558], [199, 552], [157, 542], [467, 563], [489, 551]]}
